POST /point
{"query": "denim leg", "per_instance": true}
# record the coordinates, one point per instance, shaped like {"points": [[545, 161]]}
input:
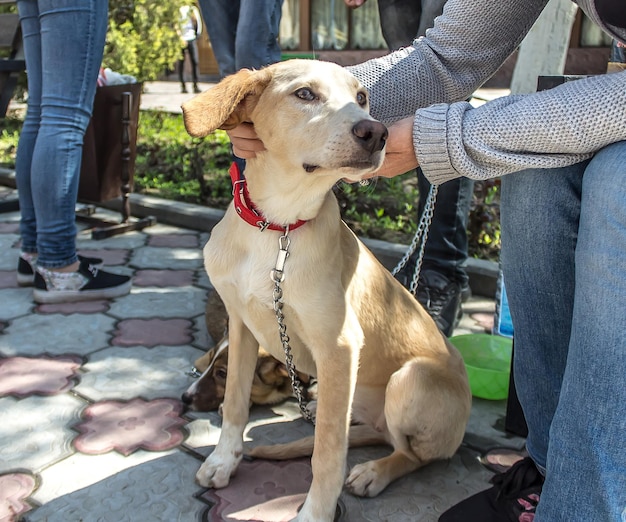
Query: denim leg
{"points": [[256, 41], [586, 466], [29, 21], [66, 71], [446, 246], [539, 217], [563, 245], [220, 19]]}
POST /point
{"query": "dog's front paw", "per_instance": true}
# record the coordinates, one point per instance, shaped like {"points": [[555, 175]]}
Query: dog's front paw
{"points": [[216, 470], [364, 480]]}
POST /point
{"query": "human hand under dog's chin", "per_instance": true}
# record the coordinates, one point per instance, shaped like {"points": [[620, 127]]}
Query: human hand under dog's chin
{"points": [[399, 151], [245, 141]]}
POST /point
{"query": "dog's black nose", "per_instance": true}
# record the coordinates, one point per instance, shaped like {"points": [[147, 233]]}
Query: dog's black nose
{"points": [[370, 134], [186, 398]]}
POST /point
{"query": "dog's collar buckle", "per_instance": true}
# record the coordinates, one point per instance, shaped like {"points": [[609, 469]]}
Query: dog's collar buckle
{"points": [[246, 209]]}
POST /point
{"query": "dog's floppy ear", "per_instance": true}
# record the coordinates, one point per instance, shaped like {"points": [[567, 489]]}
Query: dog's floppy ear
{"points": [[227, 104]]}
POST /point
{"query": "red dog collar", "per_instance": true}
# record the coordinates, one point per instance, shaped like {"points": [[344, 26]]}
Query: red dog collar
{"points": [[246, 209]]}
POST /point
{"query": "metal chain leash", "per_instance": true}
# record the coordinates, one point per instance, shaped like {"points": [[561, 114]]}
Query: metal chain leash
{"points": [[421, 235], [277, 275]]}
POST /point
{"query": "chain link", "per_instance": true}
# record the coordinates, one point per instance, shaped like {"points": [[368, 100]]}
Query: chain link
{"points": [[421, 235], [277, 275]]}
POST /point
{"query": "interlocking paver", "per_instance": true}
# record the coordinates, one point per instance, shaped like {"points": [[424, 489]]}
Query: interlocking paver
{"points": [[43, 375], [16, 488], [130, 425]]}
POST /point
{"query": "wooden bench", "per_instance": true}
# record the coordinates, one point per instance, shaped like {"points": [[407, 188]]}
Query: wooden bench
{"points": [[12, 60]]}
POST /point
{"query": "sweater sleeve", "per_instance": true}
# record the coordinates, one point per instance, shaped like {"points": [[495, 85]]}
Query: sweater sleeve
{"points": [[547, 129], [467, 45]]}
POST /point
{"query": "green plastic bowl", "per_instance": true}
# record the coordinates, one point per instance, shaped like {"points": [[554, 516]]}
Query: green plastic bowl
{"points": [[488, 362]]}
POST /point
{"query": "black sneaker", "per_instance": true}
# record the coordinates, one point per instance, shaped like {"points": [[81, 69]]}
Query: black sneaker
{"points": [[26, 267], [513, 498], [441, 297], [87, 283]]}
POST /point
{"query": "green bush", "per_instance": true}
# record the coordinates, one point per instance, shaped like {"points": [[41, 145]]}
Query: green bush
{"points": [[173, 165], [142, 39]]}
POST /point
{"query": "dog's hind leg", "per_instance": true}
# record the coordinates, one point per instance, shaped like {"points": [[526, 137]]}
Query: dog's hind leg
{"points": [[415, 396], [222, 463], [360, 435]]}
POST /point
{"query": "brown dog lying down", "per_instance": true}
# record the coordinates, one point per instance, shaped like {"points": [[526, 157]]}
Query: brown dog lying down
{"points": [[378, 357], [271, 383]]}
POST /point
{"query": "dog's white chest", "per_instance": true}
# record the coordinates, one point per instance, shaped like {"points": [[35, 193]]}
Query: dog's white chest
{"points": [[240, 265]]}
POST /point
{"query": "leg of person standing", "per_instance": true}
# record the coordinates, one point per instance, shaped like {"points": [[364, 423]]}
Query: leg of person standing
{"points": [[243, 34], [399, 21], [66, 36], [192, 48], [257, 33], [220, 19], [564, 245], [181, 69]]}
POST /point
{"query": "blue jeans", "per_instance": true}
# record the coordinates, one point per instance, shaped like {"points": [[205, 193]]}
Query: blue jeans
{"points": [[564, 263], [243, 33], [63, 47]]}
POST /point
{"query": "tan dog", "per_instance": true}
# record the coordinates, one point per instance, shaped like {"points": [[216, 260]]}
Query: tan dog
{"points": [[271, 383], [378, 357]]}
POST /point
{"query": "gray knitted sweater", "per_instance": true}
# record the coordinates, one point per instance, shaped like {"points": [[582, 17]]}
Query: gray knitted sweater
{"points": [[470, 40]]}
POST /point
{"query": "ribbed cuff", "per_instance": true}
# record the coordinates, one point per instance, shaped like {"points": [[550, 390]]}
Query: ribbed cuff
{"points": [[431, 143]]}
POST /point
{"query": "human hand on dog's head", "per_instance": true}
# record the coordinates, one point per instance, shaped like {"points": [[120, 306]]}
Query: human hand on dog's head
{"points": [[245, 141]]}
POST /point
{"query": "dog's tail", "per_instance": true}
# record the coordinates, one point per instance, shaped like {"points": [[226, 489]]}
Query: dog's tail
{"points": [[359, 435]]}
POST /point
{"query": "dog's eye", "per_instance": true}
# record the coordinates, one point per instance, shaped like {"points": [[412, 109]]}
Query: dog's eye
{"points": [[221, 373], [361, 99], [305, 94]]}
